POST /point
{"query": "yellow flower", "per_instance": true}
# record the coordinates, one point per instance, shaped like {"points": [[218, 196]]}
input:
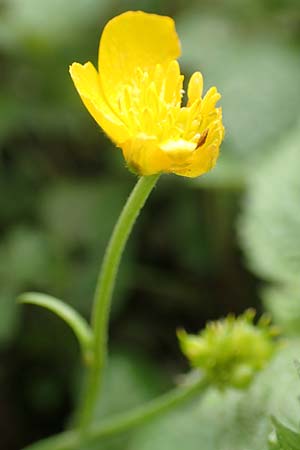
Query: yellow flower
{"points": [[136, 98]]}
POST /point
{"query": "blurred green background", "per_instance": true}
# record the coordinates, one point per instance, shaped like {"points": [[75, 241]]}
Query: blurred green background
{"points": [[201, 249]]}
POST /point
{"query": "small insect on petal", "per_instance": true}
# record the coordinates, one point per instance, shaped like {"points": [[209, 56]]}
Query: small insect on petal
{"points": [[202, 138]]}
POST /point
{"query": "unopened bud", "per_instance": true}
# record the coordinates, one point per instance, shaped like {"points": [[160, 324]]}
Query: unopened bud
{"points": [[232, 350]]}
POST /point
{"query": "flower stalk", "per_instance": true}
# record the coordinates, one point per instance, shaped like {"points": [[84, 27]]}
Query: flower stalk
{"points": [[122, 422], [103, 295]]}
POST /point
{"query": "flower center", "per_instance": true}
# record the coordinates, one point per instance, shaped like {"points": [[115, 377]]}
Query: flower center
{"points": [[150, 107]]}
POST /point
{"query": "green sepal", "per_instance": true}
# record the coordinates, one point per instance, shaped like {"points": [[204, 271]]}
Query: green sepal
{"points": [[288, 439], [76, 322]]}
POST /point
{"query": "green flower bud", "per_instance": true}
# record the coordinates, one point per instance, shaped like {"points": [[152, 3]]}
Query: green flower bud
{"points": [[232, 350]]}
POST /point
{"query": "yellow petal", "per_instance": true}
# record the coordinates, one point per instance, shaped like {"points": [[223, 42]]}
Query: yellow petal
{"points": [[202, 161], [134, 40], [212, 96], [195, 88], [173, 83], [87, 83], [144, 156]]}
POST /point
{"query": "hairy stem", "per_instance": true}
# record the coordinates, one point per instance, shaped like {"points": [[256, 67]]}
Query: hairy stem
{"points": [[103, 294], [71, 440]]}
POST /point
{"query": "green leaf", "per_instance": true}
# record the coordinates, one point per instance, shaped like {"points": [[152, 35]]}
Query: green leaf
{"points": [[273, 442], [288, 439], [75, 321], [270, 223], [230, 420], [269, 230], [283, 302]]}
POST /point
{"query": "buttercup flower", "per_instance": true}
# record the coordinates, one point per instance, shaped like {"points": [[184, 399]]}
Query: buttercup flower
{"points": [[136, 98]]}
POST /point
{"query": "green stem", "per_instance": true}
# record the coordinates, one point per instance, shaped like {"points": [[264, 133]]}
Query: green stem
{"points": [[122, 422], [104, 290], [140, 415], [75, 321]]}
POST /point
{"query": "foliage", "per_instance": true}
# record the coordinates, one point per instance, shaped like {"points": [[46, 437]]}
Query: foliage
{"points": [[231, 420], [270, 226], [269, 230], [287, 438]]}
